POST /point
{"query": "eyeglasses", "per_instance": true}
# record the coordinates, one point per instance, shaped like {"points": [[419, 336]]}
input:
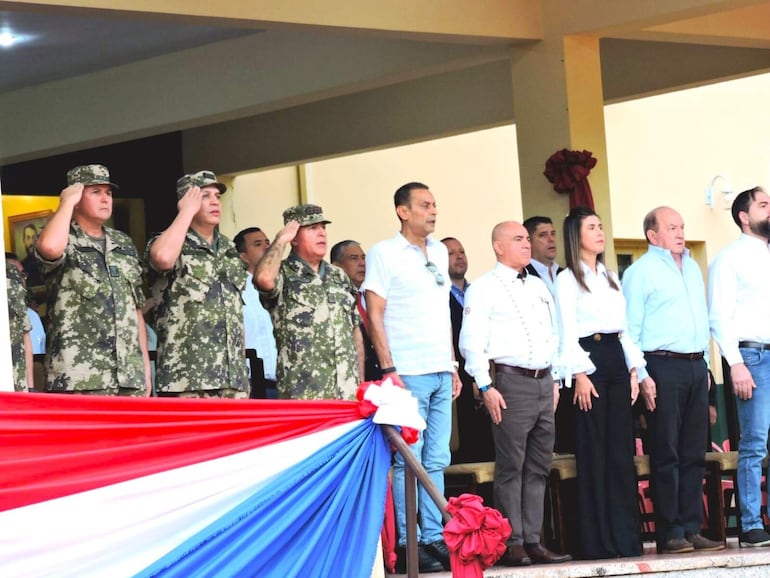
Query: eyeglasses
{"points": [[436, 273]]}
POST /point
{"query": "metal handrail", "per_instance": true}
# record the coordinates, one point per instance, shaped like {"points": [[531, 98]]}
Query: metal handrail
{"points": [[414, 470]]}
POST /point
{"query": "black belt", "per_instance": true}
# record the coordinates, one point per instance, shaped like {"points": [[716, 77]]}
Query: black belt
{"points": [[524, 371], [675, 355], [754, 345], [600, 336]]}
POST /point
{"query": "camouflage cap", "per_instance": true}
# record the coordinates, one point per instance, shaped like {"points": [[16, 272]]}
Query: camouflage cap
{"points": [[200, 179], [305, 215], [90, 175]]}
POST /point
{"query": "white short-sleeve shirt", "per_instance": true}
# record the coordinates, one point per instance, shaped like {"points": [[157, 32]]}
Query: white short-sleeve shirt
{"points": [[417, 318]]}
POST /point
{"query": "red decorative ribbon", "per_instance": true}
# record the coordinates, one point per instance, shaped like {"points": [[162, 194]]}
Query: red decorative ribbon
{"points": [[568, 172], [475, 536]]}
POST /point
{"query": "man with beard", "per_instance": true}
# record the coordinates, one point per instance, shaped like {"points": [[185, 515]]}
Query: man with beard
{"points": [[473, 425], [740, 323], [196, 274], [29, 263], [313, 307]]}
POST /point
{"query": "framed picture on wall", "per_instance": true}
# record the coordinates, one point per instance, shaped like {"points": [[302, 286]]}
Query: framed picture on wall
{"points": [[24, 230]]}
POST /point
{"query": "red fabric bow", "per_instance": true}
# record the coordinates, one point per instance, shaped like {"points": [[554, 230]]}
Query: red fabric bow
{"points": [[475, 536], [367, 408], [568, 172]]}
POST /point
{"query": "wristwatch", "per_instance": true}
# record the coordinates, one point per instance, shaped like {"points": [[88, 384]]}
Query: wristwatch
{"points": [[484, 388]]}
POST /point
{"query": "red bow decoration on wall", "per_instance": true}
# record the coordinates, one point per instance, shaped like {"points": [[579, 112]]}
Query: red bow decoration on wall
{"points": [[568, 172]]}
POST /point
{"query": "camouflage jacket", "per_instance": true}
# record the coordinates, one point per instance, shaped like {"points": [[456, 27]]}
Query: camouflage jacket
{"points": [[19, 325], [93, 292], [313, 319], [200, 317]]}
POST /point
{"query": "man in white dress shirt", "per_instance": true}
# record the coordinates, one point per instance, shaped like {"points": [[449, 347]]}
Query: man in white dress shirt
{"points": [[407, 298], [739, 316], [523, 395], [251, 244]]}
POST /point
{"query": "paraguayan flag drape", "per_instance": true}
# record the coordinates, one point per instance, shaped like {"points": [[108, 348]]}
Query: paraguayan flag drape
{"points": [[109, 486]]}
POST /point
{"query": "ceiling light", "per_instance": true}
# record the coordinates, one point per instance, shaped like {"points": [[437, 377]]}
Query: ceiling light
{"points": [[7, 39]]}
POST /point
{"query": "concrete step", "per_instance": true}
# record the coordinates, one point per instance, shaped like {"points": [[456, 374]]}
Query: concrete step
{"points": [[733, 562]]}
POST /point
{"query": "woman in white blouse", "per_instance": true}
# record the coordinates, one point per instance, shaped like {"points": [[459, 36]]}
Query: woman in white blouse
{"points": [[595, 350]]}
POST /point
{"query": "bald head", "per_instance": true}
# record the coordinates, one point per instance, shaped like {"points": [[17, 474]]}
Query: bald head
{"points": [[510, 241]]}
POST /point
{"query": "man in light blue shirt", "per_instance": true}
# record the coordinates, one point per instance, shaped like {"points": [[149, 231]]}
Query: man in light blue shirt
{"points": [[251, 244], [668, 319]]}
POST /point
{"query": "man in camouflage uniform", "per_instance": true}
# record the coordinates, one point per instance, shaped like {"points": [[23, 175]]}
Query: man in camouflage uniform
{"points": [[97, 342], [196, 273], [20, 325], [313, 307]]}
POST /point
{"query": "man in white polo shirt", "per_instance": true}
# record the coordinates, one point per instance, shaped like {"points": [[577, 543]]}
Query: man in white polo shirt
{"points": [[407, 298]]}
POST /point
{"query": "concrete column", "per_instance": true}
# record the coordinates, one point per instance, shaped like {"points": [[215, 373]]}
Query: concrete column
{"points": [[558, 103]]}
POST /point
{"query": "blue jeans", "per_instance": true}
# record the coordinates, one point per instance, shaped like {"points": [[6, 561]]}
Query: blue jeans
{"points": [[754, 419], [434, 398]]}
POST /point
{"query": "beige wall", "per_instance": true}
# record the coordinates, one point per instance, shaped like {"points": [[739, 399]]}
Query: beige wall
{"points": [[258, 199], [473, 176], [666, 150]]}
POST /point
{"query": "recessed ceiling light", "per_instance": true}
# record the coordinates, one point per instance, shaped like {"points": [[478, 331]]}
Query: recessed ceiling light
{"points": [[7, 39]]}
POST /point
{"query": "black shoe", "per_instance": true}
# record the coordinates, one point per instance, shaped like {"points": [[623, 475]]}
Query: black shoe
{"points": [[756, 538], [440, 552], [425, 562]]}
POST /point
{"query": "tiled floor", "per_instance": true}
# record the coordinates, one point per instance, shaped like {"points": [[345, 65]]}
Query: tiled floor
{"points": [[731, 562]]}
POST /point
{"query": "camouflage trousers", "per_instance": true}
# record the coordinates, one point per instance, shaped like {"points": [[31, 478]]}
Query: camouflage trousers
{"points": [[120, 391], [227, 392]]}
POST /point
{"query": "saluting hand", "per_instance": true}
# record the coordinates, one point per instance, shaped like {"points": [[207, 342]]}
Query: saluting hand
{"points": [[72, 194], [287, 234], [191, 201]]}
